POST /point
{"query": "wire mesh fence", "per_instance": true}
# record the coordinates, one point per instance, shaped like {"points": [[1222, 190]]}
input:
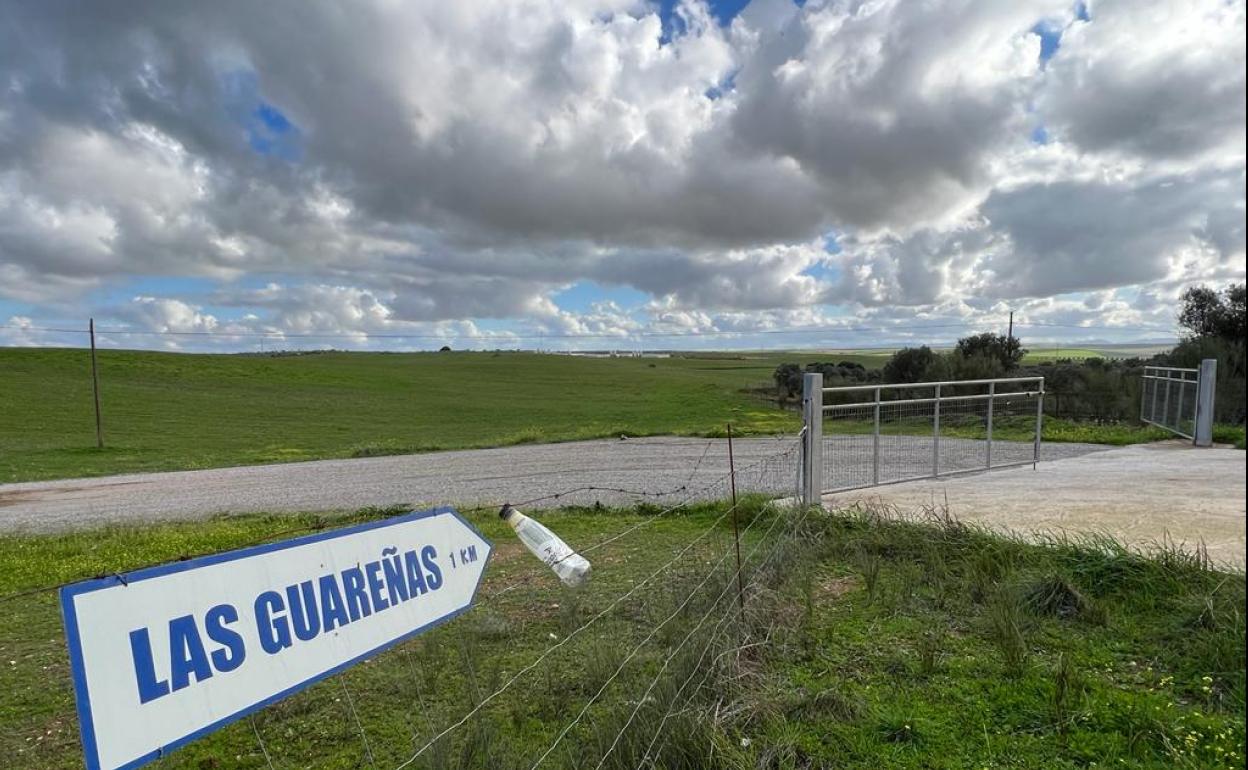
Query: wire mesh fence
{"points": [[890, 433], [1168, 398], [535, 674]]}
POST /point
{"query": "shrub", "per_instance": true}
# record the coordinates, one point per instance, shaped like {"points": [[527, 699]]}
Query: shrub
{"points": [[1005, 351], [909, 364]]}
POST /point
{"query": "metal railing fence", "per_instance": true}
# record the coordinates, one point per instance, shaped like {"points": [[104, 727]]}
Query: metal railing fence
{"points": [[1180, 400], [867, 435], [1168, 397]]}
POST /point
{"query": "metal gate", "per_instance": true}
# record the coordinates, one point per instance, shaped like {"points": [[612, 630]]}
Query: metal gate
{"points": [[1180, 400], [866, 435]]}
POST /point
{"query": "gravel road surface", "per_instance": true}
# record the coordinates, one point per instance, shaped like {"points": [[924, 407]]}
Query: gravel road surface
{"points": [[471, 477]]}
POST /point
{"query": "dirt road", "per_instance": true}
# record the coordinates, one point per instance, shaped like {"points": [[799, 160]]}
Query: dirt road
{"points": [[652, 465]]}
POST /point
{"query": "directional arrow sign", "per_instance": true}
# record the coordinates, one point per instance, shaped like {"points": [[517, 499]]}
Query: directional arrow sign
{"points": [[164, 655]]}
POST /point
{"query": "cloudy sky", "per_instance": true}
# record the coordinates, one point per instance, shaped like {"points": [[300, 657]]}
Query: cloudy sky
{"points": [[612, 173]]}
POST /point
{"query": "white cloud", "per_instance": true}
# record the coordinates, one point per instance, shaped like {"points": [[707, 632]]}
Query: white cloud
{"points": [[1161, 80], [482, 156]]}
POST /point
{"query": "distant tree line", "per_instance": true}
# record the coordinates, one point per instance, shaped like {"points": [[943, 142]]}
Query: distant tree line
{"points": [[1098, 389], [788, 377]]}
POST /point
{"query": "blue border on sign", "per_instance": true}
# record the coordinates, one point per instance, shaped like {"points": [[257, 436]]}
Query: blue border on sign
{"points": [[70, 616]]}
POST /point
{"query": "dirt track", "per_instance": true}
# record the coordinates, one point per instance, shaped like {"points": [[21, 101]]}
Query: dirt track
{"points": [[1141, 495], [651, 465]]}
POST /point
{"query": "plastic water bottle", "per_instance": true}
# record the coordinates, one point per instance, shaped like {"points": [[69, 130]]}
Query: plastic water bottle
{"points": [[570, 566]]}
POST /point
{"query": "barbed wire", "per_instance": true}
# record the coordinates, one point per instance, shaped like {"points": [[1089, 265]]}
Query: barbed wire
{"points": [[567, 638], [706, 670], [796, 446], [631, 654], [260, 742], [368, 749], [729, 585]]}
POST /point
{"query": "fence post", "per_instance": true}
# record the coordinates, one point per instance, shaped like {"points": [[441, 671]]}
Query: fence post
{"points": [[736, 532], [95, 388], [875, 442], [992, 396], [1204, 401], [1152, 410], [1035, 452], [1165, 404], [936, 435], [812, 457]]}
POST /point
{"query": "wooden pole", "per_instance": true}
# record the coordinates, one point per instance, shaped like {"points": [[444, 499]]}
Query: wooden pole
{"points": [[95, 389], [736, 533]]}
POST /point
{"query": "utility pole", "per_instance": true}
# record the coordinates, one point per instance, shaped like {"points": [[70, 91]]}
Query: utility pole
{"points": [[95, 388], [1010, 336]]}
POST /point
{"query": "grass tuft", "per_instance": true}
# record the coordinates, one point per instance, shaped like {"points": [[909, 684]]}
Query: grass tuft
{"points": [[1057, 597], [1007, 625]]}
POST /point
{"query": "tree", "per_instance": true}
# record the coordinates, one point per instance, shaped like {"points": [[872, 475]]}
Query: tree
{"points": [[909, 364], [788, 379], [1210, 313], [1007, 351], [445, 349]]}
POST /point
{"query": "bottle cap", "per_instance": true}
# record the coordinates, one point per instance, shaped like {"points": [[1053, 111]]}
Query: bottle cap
{"points": [[505, 511]]}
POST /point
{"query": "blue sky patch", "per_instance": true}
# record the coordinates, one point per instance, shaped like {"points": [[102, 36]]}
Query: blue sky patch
{"points": [[580, 297], [724, 12], [267, 130], [1050, 35]]}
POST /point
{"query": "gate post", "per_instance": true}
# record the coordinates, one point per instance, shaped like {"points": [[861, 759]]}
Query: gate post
{"points": [[875, 440], [1204, 401], [1035, 450], [812, 454], [992, 396], [1165, 404]]}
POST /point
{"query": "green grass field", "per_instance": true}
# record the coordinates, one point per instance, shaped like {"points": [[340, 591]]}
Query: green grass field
{"points": [[865, 643], [165, 411], [171, 411], [1039, 352]]}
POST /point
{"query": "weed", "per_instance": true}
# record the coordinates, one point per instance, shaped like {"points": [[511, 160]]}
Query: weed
{"points": [[1006, 629], [569, 611], [869, 564], [1066, 689], [492, 625], [832, 704], [988, 567], [1055, 596], [899, 731], [929, 648]]}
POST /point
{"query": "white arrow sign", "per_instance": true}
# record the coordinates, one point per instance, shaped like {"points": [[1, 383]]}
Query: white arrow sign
{"points": [[164, 655]]}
